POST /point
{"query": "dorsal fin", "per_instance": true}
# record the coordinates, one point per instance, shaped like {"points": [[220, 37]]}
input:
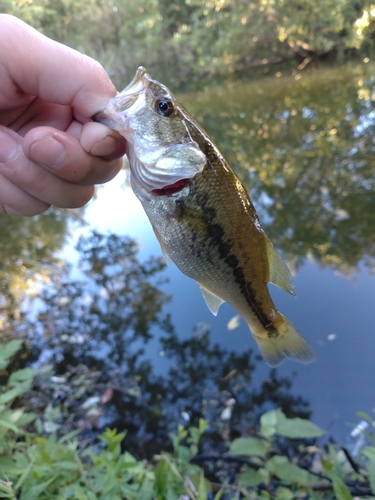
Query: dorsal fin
{"points": [[213, 301], [279, 273]]}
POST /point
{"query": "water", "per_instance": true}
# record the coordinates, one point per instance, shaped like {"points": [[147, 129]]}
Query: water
{"points": [[304, 147]]}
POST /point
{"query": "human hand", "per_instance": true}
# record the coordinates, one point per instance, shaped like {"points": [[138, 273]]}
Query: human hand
{"points": [[51, 153]]}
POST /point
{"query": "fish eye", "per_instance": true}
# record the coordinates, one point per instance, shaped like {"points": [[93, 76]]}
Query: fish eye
{"points": [[164, 107]]}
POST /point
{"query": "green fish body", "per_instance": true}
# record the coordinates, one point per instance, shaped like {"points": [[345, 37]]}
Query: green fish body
{"points": [[201, 213]]}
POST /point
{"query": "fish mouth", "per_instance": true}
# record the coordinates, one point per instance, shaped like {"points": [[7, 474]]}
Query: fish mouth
{"points": [[100, 117], [139, 76], [123, 101]]}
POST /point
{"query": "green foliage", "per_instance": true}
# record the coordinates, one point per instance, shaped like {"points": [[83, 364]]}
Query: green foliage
{"points": [[185, 40], [249, 446], [369, 452], [46, 467], [335, 471], [288, 472], [275, 422]]}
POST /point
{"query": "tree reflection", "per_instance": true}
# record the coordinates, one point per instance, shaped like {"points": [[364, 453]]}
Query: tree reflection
{"points": [[107, 315], [27, 246], [305, 151], [105, 319]]}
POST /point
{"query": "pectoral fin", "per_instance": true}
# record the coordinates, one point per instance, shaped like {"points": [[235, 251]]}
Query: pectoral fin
{"points": [[166, 257], [279, 273], [213, 301]]}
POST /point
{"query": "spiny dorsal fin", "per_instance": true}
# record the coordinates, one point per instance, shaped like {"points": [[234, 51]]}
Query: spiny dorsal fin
{"points": [[213, 301], [279, 273]]}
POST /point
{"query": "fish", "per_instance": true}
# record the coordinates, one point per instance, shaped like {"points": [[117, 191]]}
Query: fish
{"points": [[201, 213]]}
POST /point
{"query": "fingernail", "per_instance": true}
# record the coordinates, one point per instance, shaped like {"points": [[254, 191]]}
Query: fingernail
{"points": [[9, 147], [10, 211], [48, 152]]}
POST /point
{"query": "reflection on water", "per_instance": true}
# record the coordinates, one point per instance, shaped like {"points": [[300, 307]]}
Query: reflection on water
{"points": [[27, 247], [305, 150], [104, 320]]}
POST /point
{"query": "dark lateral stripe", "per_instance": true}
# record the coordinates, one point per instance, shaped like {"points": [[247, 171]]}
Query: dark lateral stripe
{"points": [[248, 293], [171, 189], [216, 234]]}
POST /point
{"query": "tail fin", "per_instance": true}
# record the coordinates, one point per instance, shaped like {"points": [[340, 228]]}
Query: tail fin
{"points": [[288, 344]]}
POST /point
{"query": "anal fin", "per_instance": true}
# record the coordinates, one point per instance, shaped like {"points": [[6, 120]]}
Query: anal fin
{"points": [[213, 301]]}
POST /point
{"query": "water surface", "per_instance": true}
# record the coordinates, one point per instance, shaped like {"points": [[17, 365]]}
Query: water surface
{"points": [[304, 148]]}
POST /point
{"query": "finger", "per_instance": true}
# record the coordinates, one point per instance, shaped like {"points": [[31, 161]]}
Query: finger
{"points": [[99, 140], [40, 113], [35, 180], [15, 201], [61, 154], [51, 71]]}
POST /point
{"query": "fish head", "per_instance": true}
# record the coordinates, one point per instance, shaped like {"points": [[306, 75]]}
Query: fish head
{"points": [[145, 112], [160, 148]]}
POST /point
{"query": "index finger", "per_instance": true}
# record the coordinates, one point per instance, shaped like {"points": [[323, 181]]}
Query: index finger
{"points": [[42, 67]]}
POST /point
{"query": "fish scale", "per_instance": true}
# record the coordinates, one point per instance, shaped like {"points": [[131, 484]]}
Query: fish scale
{"points": [[201, 213]]}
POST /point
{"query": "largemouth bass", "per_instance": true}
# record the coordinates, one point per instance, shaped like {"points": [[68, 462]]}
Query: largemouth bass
{"points": [[201, 213]]}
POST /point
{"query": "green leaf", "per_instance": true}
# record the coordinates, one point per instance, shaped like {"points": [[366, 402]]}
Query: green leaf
{"points": [[275, 422], [268, 422], [203, 426], [286, 471], [6, 464], [6, 490], [162, 472], [113, 440], [13, 466], [313, 495], [35, 491], [369, 452], [297, 428], [193, 450], [24, 476], [365, 416], [12, 394], [145, 491], [340, 489], [219, 494], [202, 490], [24, 375], [251, 477], [26, 418], [249, 446], [5, 421], [183, 454], [69, 436], [283, 493], [7, 351]]}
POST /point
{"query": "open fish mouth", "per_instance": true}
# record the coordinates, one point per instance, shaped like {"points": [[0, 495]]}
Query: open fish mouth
{"points": [[123, 100]]}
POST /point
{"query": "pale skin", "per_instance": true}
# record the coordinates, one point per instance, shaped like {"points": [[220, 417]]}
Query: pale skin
{"points": [[51, 153]]}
